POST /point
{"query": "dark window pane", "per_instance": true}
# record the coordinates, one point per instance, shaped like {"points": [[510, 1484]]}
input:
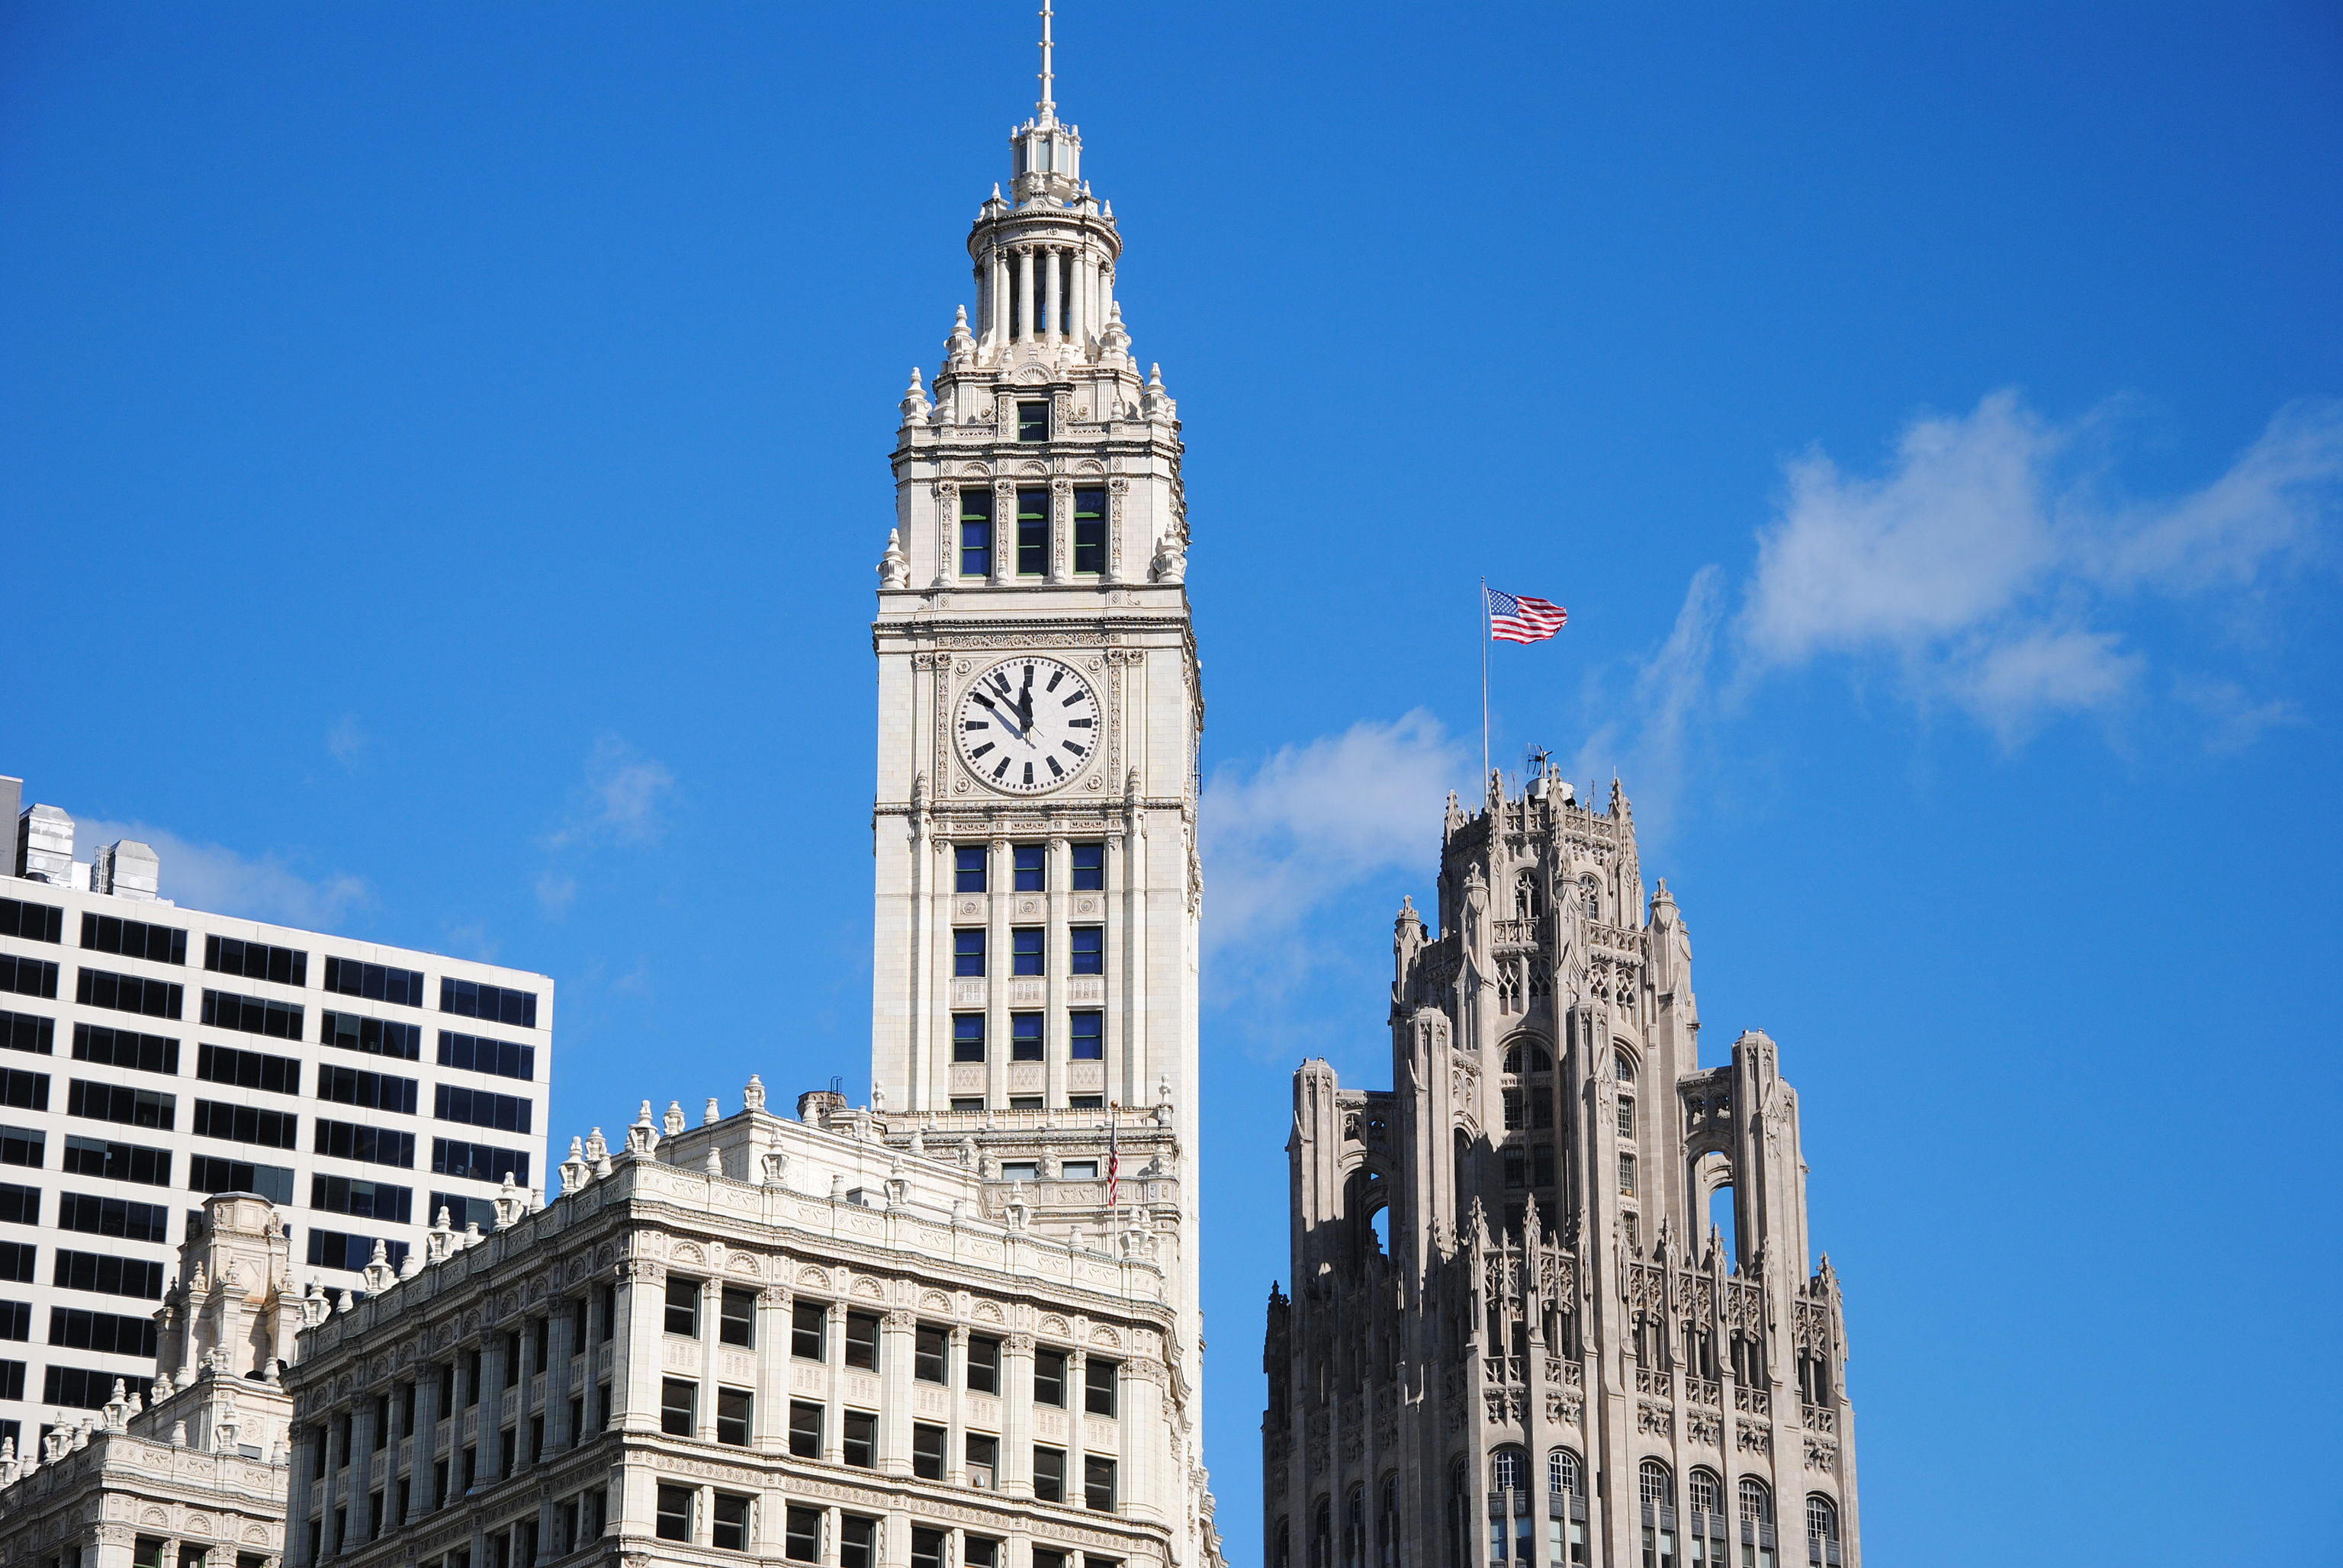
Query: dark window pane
{"points": [[967, 1037], [1090, 867]]}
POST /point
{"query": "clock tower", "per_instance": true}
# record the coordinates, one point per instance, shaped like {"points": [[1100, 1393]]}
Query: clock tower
{"points": [[1038, 891]]}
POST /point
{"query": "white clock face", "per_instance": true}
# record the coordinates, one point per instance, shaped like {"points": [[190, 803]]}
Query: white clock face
{"points": [[1027, 724]]}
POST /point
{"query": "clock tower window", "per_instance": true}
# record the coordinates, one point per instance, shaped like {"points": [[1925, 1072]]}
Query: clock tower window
{"points": [[975, 533], [1025, 1037], [968, 869], [1089, 949], [1090, 532], [967, 953], [1033, 420], [1086, 1036], [1026, 950], [967, 1037], [1031, 868], [1090, 867], [1032, 533]]}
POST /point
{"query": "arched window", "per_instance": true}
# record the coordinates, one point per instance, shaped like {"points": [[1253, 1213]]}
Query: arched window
{"points": [[1280, 1551], [1322, 1534], [1528, 898], [1354, 1529], [1564, 1474], [1821, 1529], [1507, 1469], [1756, 1523], [1527, 1056], [1656, 1490], [1623, 1064], [1701, 1490], [1590, 893], [1387, 1522]]}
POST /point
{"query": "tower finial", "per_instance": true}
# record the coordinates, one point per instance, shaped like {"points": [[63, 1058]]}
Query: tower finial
{"points": [[1049, 105]]}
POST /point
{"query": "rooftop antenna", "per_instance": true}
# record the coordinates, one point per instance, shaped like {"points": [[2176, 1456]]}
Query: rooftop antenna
{"points": [[1048, 106]]}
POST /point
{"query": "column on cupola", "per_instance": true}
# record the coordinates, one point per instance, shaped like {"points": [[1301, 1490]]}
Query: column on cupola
{"points": [[1024, 292], [1053, 320], [1078, 299], [996, 303]]}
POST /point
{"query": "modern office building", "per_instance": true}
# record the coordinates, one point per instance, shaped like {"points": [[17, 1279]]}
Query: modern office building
{"points": [[1553, 1301], [156, 1054]]}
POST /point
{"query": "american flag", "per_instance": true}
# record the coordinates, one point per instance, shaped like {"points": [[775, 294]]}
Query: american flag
{"points": [[1517, 617], [1113, 1157]]}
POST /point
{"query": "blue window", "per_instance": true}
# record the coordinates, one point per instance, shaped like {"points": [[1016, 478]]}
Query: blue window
{"points": [[1032, 532], [1024, 1037], [1033, 421], [1090, 867], [1032, 867], [967, 1037], [967, 953], [968, 869], [1089, 531], [975, 533], [1025, 949], [1086, 1031], [1089, 950]]}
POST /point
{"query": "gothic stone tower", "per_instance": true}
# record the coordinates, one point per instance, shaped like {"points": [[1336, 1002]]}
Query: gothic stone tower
{"points": [[1516, 1336], [1037, 891]]}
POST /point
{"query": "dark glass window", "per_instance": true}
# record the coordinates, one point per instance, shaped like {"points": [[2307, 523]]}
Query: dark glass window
{"points": [[1049, 1473], [20, 1205], [246, 1124], [1098, 1385], [858, 1431], [1089, 949], [735, 1416], [32, 922], [479, 1054], [679, 1407], [683, 1306], [371, 1091], [1025, 1037], [480, 1161], [926, 1451], [736, 1317], [967, 1037], [1027, 949], [374, 1036], [497, 1004], [801, 1540], [112, 1217], [362, 1200], [1090, 867], [134, 939], [1098, 1483], [1049, 1376], [25, 1090], [83, 1388], [1032, 863], [119, 1102], [462, 1212], [1032, 532], [373, 1145], [478, 1108], [806, 1322], [125, 1047], [1034, 417], [673, 1522], [28, 977], [256, 960], [107, 1274], [858, 1542], [250, 1070], [16, 1259], [968, 868], [339, 1250], [251, 1014], [983, 1364], [728, 1523], [210, 1173], [376, 983], [129, 994], [27, 1146], [805, 1429], [28, 1032], [118, 1162], [975, 533], [1086, 1036], [968, 952], [931, 1355], [16, 1321], [862, 1341], [1090, 530]]}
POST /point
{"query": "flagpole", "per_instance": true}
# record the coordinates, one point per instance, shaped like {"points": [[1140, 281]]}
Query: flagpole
{"points": [[1484, 688]]}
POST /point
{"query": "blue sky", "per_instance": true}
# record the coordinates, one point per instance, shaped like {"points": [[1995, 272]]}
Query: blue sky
{"points": [[445, 457]]}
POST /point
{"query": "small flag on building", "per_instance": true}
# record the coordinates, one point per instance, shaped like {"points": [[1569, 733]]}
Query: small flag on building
{"points": [[1113, 1157], [1517, 617]]}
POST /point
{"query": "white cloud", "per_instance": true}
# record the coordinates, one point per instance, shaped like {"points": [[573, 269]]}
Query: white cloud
{"points": [[346, 740], [213, 877], [556, 893], [619, 801], [1316, 818]]}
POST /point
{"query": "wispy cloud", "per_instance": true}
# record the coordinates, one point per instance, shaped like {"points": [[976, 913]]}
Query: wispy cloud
{"points": [[619, 800], [213, 878], [1986, 568], [1284, 837], [345, 741]]}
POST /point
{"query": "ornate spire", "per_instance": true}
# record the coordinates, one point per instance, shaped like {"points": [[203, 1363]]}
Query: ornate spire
{"points": [[1047, 105]]}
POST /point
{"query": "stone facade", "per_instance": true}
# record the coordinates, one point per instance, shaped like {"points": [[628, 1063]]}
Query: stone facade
{"points": [[199, 1478], [1519, 1333]]}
